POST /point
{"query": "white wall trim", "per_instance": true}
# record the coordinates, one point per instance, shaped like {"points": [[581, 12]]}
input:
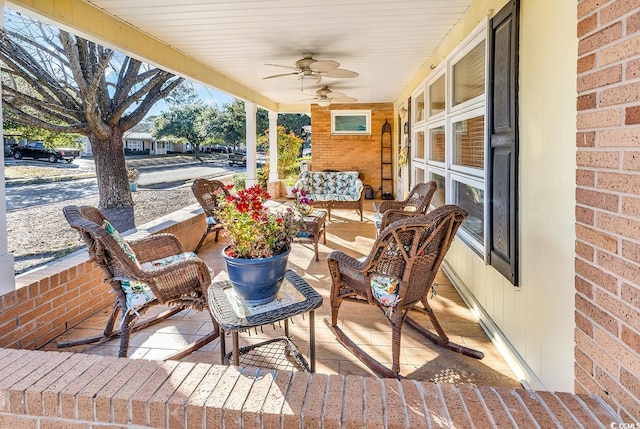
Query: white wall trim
{"points": [[525, 374]]}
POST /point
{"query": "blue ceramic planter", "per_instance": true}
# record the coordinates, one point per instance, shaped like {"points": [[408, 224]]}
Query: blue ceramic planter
{"points": [[256, 281]]}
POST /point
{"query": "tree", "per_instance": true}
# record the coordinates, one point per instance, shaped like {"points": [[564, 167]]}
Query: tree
{"points": [[288, 146], [181, 122], [60, 82], [232, 122], [293, 122], [145, 125]]}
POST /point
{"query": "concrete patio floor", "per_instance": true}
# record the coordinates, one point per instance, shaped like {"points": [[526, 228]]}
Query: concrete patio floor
{"points": [[420, 359]]}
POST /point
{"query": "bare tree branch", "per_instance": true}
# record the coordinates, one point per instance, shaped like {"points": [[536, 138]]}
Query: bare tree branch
{"points": [[64, 83]]}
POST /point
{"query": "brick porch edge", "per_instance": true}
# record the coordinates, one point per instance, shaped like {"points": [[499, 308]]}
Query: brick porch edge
{"points": [[51, 389]]}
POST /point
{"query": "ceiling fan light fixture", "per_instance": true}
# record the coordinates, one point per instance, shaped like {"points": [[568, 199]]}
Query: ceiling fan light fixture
{"points": [[306, 77], [324, 102]]}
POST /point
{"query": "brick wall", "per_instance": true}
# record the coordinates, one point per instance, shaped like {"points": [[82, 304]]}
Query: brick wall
{"points": [[607, 352], [50, 300], [66, 390], [349, 152]]}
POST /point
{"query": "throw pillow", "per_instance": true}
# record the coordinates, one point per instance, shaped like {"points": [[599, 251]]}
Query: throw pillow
{"points": [[385, 289], [126, 248]]}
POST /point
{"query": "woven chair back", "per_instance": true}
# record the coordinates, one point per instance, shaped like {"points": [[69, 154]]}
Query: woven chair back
{"points": [[412, 250], [421, 195], [103, 248], [205, 192]]}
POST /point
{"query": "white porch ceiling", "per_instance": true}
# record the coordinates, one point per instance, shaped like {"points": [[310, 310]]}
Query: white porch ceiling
{"points": [[385, 41]]}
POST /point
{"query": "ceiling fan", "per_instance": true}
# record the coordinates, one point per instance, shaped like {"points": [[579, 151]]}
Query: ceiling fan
{"points": [[324, 97], [308, 68]]}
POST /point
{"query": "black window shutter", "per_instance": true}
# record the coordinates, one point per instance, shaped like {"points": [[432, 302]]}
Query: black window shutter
{"points": [[503, 142]]}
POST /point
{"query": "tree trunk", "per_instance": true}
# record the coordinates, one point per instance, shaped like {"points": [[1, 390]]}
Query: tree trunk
{"points": [[116, 201]]}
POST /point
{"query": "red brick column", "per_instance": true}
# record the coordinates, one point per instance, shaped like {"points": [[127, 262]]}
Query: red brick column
{"points": [[607, 315]]}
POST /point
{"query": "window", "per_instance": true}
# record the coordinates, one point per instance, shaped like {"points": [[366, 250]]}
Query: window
{"points": [[437, 144], [440, 197], [469, 142], [419, 175], [437, 97], [351, 122], [135, 145], [418, 107], [456, 135], [418, 144], [458, 131], [469, 195], [468, 75]]}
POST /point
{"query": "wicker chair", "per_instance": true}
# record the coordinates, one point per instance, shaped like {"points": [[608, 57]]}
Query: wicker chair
{"points": [[416, 203], [204, 191], [406, 257], [153, 269]]}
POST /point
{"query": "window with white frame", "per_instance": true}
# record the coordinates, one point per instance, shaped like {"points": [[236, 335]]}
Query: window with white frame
{"points": [[437, 146], [418, 144], [454, 134], [135, 145], [440, 196]]}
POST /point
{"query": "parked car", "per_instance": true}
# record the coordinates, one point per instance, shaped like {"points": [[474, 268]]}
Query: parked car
{"points": [[38, 150], [239, 158], [216, 148]]}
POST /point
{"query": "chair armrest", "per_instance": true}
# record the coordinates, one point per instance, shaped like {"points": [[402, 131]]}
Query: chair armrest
{"points": [[177, 278], [390, 205], [156, 246], [342, 265]]}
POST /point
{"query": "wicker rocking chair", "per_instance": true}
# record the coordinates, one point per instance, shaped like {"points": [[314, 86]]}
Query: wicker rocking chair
{"points": [[143, 273], [416, 204], [396, 276], [204, 190]]}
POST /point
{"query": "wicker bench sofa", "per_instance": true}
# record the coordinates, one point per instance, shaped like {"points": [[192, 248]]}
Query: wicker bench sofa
{"points": [[333, 190]]}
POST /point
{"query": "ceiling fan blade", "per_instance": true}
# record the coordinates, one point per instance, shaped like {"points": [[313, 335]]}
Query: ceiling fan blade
{"points": [[324, 65], [284, 67], [306, 99], [344, 99], [341, 73], [333, 95], [280, 75]]}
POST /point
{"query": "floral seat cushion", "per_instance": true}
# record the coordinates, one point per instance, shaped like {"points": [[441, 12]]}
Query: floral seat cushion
{"points": [[385, 289], [331, 186], [139, 293], [377, 219]]}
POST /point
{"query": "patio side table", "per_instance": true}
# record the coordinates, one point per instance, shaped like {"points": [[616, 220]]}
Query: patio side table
{"points": [[294, 298], [314, 225]]}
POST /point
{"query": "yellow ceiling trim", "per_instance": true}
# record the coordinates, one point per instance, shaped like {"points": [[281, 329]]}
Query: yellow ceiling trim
{"points": [[87, 21]]}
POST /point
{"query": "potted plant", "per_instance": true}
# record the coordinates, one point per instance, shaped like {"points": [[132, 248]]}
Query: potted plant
{"points": [[289, 185], [303, 203], [259, 241], [132, 175]]}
